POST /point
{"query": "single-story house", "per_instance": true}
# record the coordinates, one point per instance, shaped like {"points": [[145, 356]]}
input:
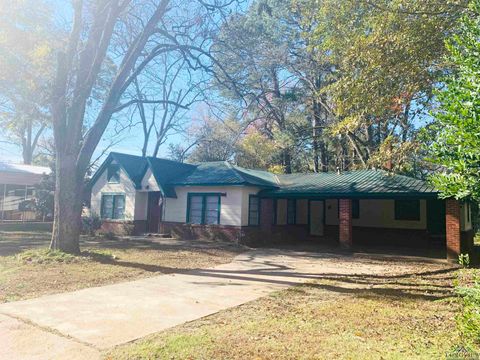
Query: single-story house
{"points": [[217, 199], [17, 189]]}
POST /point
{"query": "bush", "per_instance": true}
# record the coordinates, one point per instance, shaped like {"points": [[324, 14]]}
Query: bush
{"points": [[468, 321], [90, 224]]}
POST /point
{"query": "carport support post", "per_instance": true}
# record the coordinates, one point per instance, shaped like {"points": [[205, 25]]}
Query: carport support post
{"points": [[453, 235], [345, 222]]}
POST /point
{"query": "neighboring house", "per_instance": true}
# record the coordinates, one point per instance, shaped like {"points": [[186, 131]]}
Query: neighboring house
{"points": [[17, 190], [219, 200]]}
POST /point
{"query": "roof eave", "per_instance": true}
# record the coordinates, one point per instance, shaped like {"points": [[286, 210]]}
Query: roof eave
{"points": [[378, 196]]}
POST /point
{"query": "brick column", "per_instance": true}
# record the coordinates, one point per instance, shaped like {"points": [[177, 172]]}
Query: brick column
{"points": [[345, 222], [266, 215], [452, 208]]}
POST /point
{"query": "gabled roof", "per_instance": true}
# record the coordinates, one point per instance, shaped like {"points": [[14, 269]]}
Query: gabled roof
{"points": [[359, 183], [134, 166], [165, 171], [223, 173], [349, 184]]}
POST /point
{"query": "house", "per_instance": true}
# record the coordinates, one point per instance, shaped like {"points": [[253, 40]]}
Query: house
{"points": [[17, 189], [223, 201]]}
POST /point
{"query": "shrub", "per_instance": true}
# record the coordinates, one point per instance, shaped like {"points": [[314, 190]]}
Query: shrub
{"points": [[91, 223], [468, 320]]}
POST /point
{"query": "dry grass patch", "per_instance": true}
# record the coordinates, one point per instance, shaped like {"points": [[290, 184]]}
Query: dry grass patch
{"points": [[344, 317], [36, 272]]}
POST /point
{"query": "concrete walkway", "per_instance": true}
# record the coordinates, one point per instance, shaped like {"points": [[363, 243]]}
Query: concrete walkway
{"points": [[84, 322]]}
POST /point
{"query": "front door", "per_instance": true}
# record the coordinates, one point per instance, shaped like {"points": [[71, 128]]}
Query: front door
{"points": [[316, 217], [436, 217], [154, 211]]}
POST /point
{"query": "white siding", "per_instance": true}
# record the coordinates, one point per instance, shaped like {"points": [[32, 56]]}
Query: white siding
{"points": [[125, 186], [141, 205], [233, 206], [377, 213], [148, 182]]}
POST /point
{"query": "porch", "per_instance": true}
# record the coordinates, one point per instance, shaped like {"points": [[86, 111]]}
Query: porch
{"points": [[411, 225]]}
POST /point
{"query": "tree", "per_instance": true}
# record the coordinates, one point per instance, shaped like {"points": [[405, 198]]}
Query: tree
{"points": [[256, 151], [111, 43], [27, 37], [456, 129], [170, 78], [214, 140], [253, 51], [389, 57]]}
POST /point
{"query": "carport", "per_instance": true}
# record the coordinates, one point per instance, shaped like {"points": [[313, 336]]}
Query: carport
{"points": [[365, 208]]}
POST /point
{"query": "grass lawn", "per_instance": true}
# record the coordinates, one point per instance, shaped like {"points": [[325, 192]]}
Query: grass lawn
{"points": [[27, 270], [354, 317]]}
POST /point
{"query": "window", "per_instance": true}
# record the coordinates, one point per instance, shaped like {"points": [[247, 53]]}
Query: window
{"points": [[20, 192], [355, 208], [203, 208], [113, 206], [113, 173], [253, 210], [407, 210], [291, 211]]}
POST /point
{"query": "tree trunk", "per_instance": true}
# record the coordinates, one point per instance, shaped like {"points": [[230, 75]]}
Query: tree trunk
{"points": [[68, 206], [319, 151]]}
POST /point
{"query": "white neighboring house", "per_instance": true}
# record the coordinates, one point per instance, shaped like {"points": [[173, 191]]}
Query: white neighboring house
{"points": [[17, 187], [219, 200]]}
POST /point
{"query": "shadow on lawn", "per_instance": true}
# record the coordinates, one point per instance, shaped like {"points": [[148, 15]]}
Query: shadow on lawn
{"points": [[423, 285]]}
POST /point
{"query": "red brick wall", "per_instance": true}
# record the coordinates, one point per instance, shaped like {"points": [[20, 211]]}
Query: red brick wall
{"points": [[453, 228], [345, 226], [123, 227], [202, 232]]}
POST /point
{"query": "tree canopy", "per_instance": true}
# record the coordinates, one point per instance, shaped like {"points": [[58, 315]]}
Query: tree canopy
{"points": [[456, 129]]}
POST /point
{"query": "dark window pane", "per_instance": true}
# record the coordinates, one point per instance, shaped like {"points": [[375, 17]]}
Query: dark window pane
{"points": [[291, 211], [407, 210], [119, 211], [355, 209], [212, 209], [107, 206], [113, 173], [253, 210], [196, 208]]}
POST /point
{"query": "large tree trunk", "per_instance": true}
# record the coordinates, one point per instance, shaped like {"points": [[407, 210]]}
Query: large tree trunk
{"points": [[68, 206]]}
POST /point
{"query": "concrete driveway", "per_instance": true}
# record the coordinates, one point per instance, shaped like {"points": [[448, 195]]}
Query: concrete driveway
{"points": [[82, 323]]}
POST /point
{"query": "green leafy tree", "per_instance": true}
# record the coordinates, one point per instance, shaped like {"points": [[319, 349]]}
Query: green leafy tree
{"points": [[28, 36], [389, 57], [456, 129]]}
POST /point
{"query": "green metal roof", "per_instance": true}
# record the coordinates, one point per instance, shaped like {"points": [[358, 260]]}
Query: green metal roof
{"points": [[359, 183], [223, 173], [165, 171]]}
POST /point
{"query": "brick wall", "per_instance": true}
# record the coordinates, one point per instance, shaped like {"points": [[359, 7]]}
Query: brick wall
{"points": [[202, 232], [453, 235], [345, 219], [123, 227]]}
